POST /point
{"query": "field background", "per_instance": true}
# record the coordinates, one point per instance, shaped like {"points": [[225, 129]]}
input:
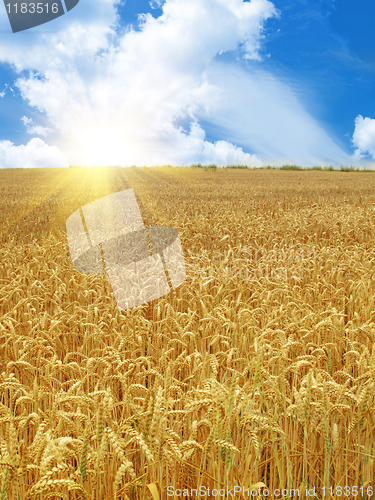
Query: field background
{"points": [[259, 368]]}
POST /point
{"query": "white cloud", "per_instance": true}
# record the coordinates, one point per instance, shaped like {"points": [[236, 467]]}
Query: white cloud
{"points": [[364, 136], [35, 129], [115, 97], [26, 121], [34, 154]]}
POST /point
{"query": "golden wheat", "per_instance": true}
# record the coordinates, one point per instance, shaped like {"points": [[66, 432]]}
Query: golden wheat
{"points": [[258, 369]]}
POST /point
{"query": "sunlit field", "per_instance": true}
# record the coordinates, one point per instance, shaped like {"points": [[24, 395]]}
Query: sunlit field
{"points": [[257, 372]]}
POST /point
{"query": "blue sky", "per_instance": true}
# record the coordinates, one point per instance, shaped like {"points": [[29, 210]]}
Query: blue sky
{"points": [[176, 82]]}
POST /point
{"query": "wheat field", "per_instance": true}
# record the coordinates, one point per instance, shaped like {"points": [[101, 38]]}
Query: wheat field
{"points": [[257, 372]]}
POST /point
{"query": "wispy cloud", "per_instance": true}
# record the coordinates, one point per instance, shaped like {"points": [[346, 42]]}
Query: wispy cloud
{"points": [[156, 4], [35, 129], [262, 112], [2, 94]]}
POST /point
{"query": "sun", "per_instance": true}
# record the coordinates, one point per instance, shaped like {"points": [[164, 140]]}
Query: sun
{"points": [[102, 146], [104, 141]]}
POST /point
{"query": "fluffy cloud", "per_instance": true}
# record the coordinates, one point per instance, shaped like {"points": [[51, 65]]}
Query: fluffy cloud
{"points": [[364, 136], [80, 33], [120, 97], [34, 154], [121, 106]]}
